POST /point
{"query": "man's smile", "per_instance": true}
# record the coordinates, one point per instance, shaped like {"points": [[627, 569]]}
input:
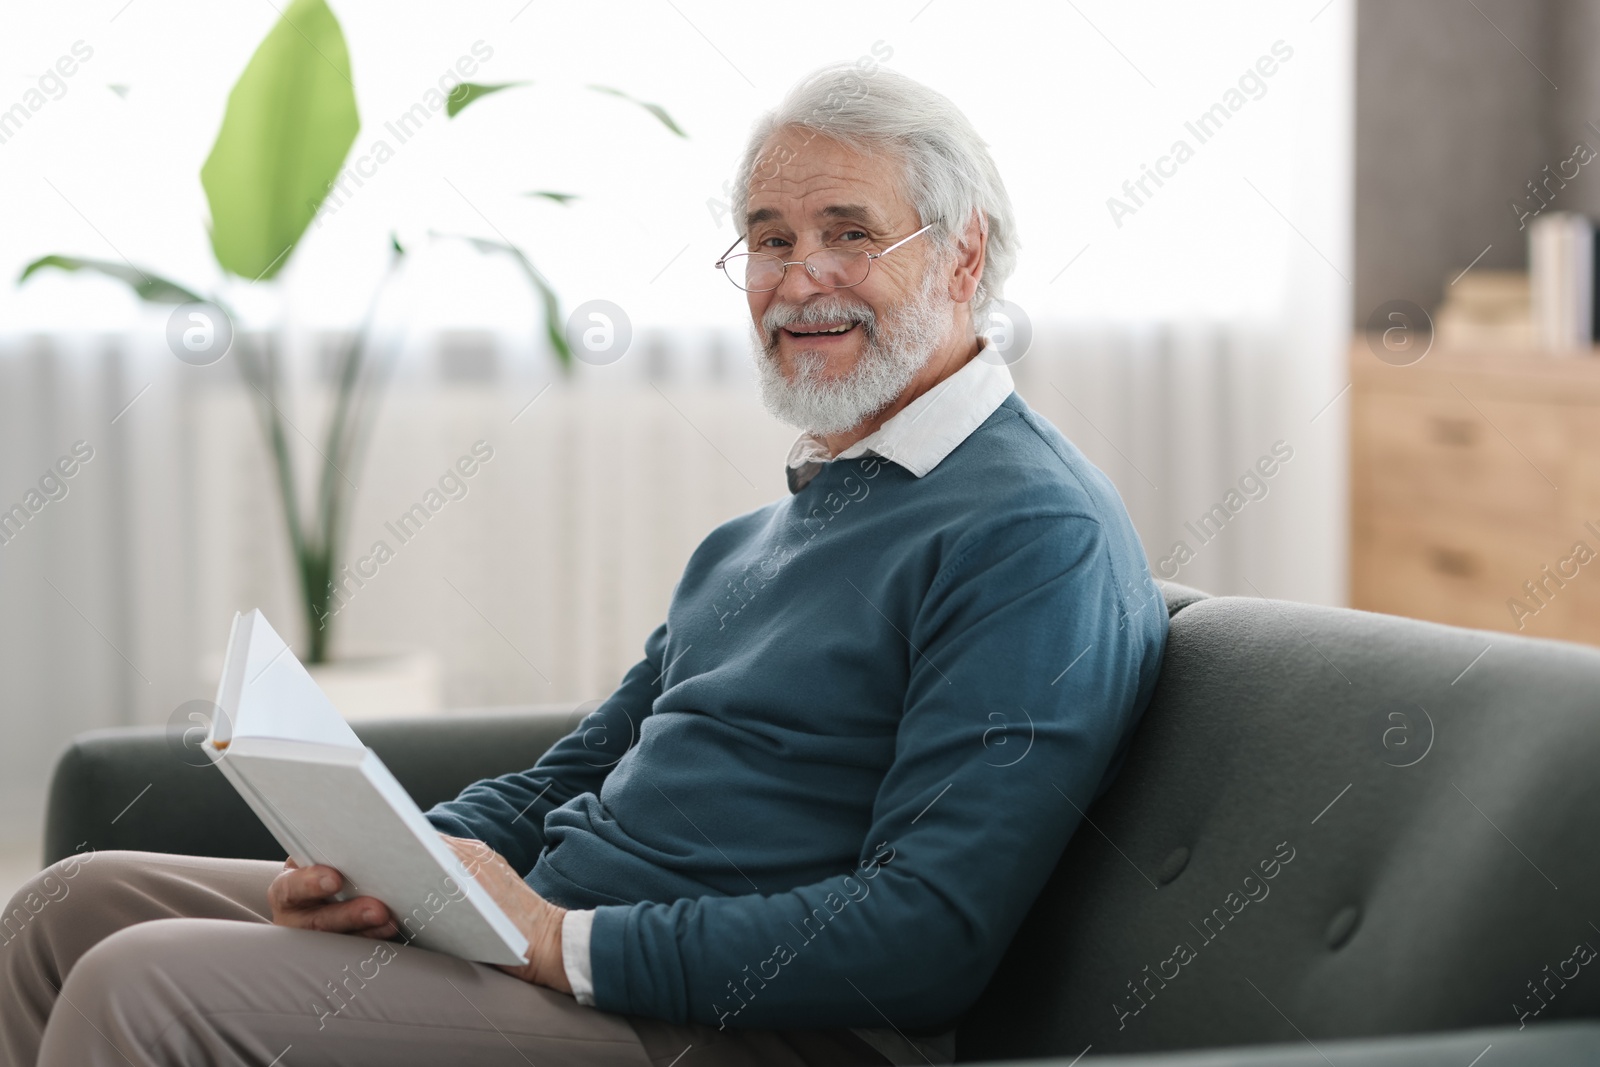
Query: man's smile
{"points": [[824, 331]]}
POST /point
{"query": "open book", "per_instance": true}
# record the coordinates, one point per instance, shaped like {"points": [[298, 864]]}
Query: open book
{"points": [[328, 799]]}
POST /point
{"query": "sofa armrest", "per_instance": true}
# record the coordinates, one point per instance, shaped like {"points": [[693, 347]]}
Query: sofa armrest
{"points": [[1178, 597], [1551, 1044], [134, 788]]}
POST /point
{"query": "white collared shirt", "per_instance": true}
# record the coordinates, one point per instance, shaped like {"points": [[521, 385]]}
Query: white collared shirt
{"points": [[920, 435]]}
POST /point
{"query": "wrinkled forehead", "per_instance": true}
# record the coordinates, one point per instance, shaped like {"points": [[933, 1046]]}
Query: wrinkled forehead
{"points": [[803, 178]]}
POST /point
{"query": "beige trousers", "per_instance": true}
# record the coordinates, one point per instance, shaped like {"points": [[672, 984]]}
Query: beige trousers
{"points": [[138, 958]]}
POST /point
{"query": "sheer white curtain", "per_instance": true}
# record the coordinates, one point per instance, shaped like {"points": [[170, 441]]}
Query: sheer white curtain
{"points": [[1176, 349]]}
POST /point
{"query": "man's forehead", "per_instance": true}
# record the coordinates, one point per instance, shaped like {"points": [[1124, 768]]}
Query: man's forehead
{"points": [[848, 212], [806, 177]]}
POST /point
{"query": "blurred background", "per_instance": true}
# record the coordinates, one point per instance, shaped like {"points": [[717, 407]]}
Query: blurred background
{"points": [[538, 438]]}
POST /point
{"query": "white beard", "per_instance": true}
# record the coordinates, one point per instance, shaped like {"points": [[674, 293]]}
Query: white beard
{"points": [[889, 360]]}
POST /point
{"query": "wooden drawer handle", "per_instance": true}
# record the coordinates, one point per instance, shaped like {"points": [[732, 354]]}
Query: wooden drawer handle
{"points": [[1452, 561], [1459, 432]]}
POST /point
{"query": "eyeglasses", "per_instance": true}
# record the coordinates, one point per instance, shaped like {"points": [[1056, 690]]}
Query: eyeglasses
{"points": [[840, 268]]}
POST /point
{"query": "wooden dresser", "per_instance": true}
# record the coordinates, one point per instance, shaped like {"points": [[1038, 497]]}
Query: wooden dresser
{"points": [[1475, 487]]}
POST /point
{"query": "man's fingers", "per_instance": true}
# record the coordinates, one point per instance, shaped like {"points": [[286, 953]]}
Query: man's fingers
{"points": [[473, 854], [300, 898], [480, 860], [348, 916], [300, 887]]}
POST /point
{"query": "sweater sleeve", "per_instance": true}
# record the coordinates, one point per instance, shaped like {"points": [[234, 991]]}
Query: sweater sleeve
{"points": [[1023, 679], [507, 813]]}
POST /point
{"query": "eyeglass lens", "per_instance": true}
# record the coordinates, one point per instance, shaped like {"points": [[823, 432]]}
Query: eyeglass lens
{"points": [[836, 267]]}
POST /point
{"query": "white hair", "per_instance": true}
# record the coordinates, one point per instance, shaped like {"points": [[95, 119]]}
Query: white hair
{"points": [[947, 170]]}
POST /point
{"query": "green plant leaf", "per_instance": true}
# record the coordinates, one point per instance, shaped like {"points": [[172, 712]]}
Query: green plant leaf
{"points": [[148, 286], [290, 122], [553, 324], [655, 109], [560, 198], [467, 92]]}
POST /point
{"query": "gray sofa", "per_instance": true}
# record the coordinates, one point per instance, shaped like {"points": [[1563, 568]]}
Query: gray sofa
{"points": [[1338, 838]]}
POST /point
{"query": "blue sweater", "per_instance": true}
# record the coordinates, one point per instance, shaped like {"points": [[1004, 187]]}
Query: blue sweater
{"points": [[855, 749]]}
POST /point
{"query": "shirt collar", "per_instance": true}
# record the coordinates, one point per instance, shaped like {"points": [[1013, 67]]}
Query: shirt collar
{"points": [[925, 431]]}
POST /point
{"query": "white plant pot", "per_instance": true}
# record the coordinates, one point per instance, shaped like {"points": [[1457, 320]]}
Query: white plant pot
{"points": [[383, 685], [377, 685]]}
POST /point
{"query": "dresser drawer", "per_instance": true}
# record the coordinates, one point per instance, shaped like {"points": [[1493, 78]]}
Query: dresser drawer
{"points": [[1584, 498], [1464, 574], [1413, 455], [1585, 613]]}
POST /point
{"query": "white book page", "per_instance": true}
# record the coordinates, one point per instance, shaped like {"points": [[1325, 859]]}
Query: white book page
{"points": [[266, 692]]}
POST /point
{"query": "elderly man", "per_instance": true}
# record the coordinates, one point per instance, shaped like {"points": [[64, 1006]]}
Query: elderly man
{"points": [[807, 824]]}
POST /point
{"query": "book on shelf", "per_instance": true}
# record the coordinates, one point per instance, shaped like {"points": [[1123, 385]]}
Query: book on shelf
{"points": [[1485, 309]]}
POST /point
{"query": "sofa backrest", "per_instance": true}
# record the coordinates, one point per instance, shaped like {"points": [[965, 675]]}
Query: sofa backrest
{"points": [[185, 806], [1330, 823]]}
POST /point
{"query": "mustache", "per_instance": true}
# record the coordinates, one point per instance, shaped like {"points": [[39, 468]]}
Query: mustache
{"points": [[817, 313]]}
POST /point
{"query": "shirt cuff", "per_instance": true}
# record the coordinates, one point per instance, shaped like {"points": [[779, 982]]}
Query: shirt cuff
{"points": [[575, 954]]}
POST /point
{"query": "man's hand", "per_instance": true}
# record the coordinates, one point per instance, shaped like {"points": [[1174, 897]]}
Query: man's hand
{"points": [[537, 918], [302, 897]]}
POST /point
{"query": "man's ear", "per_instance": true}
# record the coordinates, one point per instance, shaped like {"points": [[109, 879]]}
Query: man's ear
{"points": [[970, 251]]}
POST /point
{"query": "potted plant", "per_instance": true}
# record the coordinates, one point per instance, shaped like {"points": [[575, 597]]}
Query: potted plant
{"points": [[286, 135]]}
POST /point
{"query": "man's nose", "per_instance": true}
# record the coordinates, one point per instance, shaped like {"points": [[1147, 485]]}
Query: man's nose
{"points": [[797, 284]]}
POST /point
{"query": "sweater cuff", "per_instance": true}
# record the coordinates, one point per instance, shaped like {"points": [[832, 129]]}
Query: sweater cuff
{"points": [[575, 954]]}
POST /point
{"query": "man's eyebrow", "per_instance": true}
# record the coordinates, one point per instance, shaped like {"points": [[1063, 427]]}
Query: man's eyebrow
{"points": [[849, 212]]}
